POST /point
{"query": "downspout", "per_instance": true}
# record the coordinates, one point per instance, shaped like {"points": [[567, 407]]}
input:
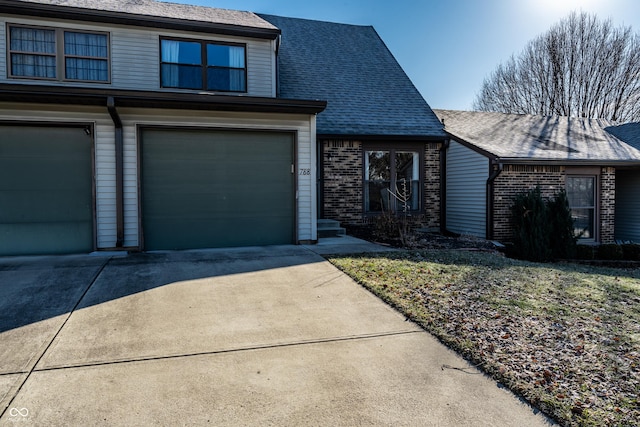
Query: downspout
{"points": [[495, 168], [320, 177], [443, 185], [277, 52], [119, 145]]}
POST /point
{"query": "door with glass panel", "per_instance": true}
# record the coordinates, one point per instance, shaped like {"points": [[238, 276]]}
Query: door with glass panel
{"points": [[391, 181]]}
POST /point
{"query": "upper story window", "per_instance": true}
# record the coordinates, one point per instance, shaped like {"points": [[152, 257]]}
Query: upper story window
{"points": [[188, 64], [57, 54]]}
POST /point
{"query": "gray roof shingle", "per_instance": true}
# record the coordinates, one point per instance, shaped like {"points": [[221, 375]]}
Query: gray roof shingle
{"points": [[539, 138], [367, 91], [628, 132], [151, 8]]}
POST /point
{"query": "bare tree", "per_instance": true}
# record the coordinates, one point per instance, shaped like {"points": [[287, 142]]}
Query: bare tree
{"points": [[581, 67]]}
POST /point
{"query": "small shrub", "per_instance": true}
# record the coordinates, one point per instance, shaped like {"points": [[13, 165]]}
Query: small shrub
{"points": [[531, 230], [562, 238]]}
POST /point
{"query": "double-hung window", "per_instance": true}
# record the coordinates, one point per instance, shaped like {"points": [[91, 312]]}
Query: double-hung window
{"points": [[189, 64], [581, 192], [391, 181], [57, 54]]}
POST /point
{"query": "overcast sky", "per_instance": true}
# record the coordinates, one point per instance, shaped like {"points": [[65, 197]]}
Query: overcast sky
{"points": [[447, 47]]}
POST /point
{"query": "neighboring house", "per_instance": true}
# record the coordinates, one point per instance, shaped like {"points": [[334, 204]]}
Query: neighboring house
{"points": [[135, 124], [376, 131], [627, 187], [493, 156]]}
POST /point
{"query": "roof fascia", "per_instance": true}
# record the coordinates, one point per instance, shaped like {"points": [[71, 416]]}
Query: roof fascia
{"points": [[110, 17], [369, 137], [568, 162], [145, 99], [473, 147]]}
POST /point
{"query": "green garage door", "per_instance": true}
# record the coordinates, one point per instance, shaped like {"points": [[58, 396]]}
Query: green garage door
{"points": [[206, 189], [46, 193]]}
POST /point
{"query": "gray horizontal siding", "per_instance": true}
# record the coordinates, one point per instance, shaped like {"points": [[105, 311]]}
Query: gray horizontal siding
{"points": [[466, 175], [135, 57], [627, 206], [3, 50]]}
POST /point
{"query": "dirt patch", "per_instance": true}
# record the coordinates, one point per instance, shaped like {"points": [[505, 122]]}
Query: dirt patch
{"points": [[425, 240]]}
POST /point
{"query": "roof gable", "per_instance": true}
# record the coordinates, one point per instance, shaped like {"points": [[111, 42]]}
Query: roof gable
{"points": [[539, 138], [367, 91]]}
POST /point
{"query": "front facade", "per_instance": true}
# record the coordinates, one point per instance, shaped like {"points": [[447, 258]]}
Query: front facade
{"points": [[491, 157], [137, 126], [377, 135]]}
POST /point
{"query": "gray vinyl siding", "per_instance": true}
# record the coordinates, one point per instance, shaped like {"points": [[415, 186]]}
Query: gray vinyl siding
{"points": [[627, 206], [104, 156], [466, 175], [3, 50], [135, 54]]}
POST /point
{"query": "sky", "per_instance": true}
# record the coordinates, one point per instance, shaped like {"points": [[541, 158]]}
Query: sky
{"points": [[446, 47]]}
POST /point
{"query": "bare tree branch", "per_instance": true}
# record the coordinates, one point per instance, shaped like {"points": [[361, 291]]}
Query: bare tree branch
{"points": [[581, 67]]}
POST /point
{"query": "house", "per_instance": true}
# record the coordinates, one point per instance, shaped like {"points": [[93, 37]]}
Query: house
{"points": [[493, 156], [376, 130], [143, 125], [627, 185], [136, 124]]}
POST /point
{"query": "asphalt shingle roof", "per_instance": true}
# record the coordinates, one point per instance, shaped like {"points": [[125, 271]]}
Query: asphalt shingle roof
{"points": [[628, 132], [514, 136], [151, 8], [350, 67]]}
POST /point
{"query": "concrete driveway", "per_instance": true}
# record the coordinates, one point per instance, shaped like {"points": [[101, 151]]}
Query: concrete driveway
{"points": [[254, 336]]}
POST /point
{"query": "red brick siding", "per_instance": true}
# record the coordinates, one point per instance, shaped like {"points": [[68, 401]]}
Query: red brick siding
{"points": [[607, 205], [515, 179], [343, 173], [432, 185], [343, 181]]}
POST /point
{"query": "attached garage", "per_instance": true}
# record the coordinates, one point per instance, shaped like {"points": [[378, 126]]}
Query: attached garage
{"points": [[216, 188], [46, 189]]}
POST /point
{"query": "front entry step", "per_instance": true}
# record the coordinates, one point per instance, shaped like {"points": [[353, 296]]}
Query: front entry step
{"points": [[330, 228]]}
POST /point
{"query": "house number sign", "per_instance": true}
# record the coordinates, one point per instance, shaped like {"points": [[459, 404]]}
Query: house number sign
{"points": [[305, 172]]}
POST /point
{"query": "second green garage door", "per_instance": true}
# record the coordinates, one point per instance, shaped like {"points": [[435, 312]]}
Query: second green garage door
{"points": [[207, 189]]}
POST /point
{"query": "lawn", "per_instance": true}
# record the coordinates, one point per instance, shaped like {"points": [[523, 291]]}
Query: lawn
{"points": [[566, 337]]}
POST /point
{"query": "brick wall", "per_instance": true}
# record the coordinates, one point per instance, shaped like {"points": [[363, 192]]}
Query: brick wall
{"points": [[432, 185], [343, 181], [607, 205], [515, 179], [343, 172]]}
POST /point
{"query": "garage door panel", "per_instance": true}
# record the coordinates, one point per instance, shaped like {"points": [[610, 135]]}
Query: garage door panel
{"points": [[217, 188], [45, 238], [46, 197], [61, 206]]}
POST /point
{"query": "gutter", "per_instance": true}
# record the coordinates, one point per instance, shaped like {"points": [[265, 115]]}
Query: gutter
{"points": [[569, 162], [119, 142], [147, 99], [495, 167]]}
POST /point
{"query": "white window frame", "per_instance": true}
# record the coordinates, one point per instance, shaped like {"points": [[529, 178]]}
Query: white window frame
{"points": [[59, 54]]}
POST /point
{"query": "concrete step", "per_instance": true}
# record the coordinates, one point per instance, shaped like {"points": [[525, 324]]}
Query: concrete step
{"points": [[328, 223], [330, 228]]}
